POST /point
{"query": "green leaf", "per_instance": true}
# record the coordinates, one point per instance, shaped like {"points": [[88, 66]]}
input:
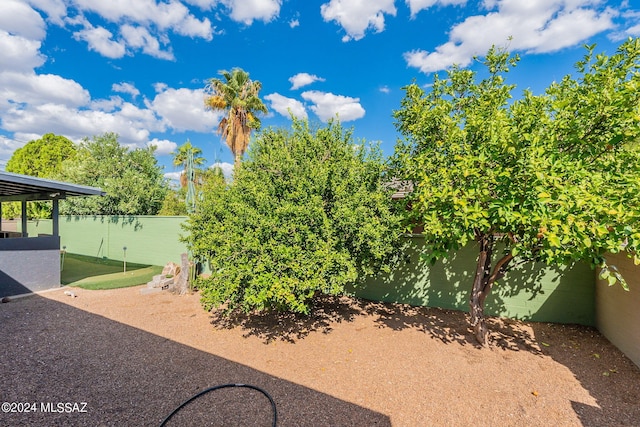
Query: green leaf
{"points": [[554, 240], [544, 195]]}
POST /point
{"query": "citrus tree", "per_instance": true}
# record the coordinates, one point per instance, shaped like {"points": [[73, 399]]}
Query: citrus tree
{"points": [[552, 177], [306, 215]]}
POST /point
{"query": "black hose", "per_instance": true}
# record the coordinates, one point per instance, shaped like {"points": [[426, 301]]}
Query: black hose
{"points": [[203, 392]]}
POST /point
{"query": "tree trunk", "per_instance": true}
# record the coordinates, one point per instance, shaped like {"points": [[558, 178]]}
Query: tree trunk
{"points": [[237, 160], [482, 284], [477, 292]]}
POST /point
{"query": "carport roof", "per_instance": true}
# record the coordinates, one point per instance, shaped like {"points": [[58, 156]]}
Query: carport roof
{"points": [[16, 187]]}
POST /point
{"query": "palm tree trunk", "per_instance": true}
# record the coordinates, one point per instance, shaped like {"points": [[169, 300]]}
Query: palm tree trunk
{"points": [[237, 160]]}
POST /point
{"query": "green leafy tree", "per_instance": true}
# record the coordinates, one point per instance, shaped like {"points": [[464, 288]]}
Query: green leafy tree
{"points": [[550, 178], [174, 203], [41, 158], [132, 179], [307, 214], [237, 96]]}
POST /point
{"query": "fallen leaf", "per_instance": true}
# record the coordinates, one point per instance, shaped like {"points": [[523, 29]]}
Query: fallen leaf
{"points": [[596, 355], [535, 393], [545, 344]]}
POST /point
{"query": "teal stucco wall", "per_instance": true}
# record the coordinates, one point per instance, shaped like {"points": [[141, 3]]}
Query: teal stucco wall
{"points": [[151, 240], [533, 291]]}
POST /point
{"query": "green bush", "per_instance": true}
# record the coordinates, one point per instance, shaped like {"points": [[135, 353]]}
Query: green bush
{"points": [[306, 214]]}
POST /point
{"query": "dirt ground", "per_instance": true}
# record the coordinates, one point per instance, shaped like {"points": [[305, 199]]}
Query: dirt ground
{"points": [[130, 359]]}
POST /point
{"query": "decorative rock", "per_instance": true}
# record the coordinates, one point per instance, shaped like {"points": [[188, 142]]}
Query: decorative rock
{"points": [[160, 281], [182, 281], [174, 278], [171, 269]]}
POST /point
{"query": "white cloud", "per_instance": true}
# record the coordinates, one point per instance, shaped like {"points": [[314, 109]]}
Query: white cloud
{"points": [[385, 89], [246, 11], [633, 31], [358, 16], [227, 168], [19, 53], [101, 40], [183, 109], [125, 88], [141, 24], [17, 18], [303, 79], [286, 106], [76, 123], [140, 38], [55, 10], [327, 106], [171, 15], [34, 89], [416, 6], [294, 23], [107, 105], [534, 27], [173, 176], [163, 146], [35, 104], [203, 4], [7, 147]]}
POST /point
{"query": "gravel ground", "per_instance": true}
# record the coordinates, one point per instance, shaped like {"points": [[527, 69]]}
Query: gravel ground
{"points": [[119, 358]]}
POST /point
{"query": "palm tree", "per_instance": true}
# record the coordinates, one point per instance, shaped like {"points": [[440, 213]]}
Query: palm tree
{"points": [[237, 96], [181, 155]]}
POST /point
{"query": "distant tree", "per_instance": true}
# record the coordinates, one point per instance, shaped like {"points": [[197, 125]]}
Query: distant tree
{"points": [[174, 203], [132, 179], [551, 178], [181, 155], [237, 96], [41, 158], [307, 214]]}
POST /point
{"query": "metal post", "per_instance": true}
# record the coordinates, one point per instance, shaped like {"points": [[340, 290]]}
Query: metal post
{"points": [[124, 258], [23, 219], [55, 216]]}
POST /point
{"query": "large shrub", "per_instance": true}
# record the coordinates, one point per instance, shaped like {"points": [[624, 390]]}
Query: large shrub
{"points": [[306, 214]]}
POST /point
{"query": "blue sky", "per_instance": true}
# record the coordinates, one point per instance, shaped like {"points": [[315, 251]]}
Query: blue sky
{"points": [[80, 68]]}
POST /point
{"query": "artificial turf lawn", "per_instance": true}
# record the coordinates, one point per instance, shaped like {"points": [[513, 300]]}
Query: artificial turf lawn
{"points": [[98, 273]]}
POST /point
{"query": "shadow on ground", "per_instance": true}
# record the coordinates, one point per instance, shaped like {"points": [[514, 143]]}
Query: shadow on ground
{"points": [[611, 378], [593, 360], [448, 326], [54, 353], [290, 327]]}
